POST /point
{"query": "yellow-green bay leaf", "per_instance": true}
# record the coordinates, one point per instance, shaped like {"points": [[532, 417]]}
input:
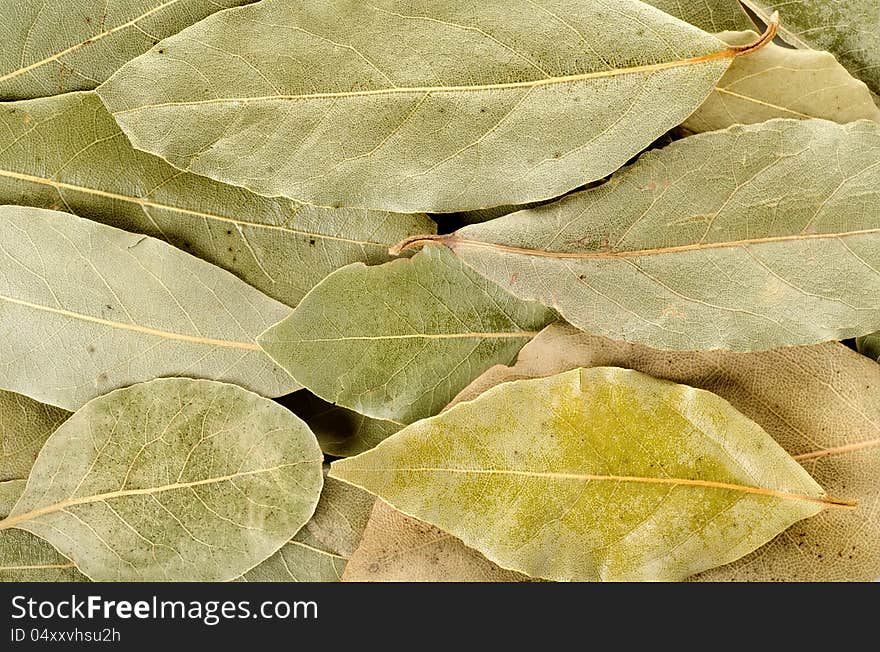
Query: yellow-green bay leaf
{"points": [[56, 47], [25, 557], [397, 341], [86, 308], [173, 479], [594, 474], [820, 403], [411, 106], [67, 153], [736, 239], [25, 424], [780, 82], [399, 548]]}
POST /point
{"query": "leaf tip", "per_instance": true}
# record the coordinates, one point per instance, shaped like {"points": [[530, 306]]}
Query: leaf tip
{"points": [[764, 39]]}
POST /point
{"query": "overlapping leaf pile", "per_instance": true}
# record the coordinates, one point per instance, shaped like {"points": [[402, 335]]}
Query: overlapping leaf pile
{"points": [[448, 291]]}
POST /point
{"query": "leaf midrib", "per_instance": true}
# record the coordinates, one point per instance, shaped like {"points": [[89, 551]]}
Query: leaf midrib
{"points": [[194, 339], [16, 519], [145, 203], [588, 477], [88, 41], [422, 336], [729, 53], [453, 241]]}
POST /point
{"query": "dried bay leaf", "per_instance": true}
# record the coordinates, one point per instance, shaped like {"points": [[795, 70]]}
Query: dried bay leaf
{"points": [[779, 82], [869, 345], [710, 15], [340, 431], [735, 239], [25, 557], [399, 548], [398, 341], [66, 152], [320, 550], [122, 308], [411, 106], [850, 29], [820, 403], [594, 474], [25, 424], [173, 479], [56, 47]]}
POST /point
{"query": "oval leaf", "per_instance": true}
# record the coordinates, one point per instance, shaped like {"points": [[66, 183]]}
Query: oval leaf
{"points": [[779, 82], [820, 403], [411, 106], [735, 239], [56, 47], [25, 425], [25, 557], [593, 474], [398, 341], [86, 308], [174, 479], [67, 153]]}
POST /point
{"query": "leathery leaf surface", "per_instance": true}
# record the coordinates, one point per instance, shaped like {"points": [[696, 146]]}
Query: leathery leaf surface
{"points": [[123, 308], [411, 106], [398, 341], [67, 153], [738, 239], [594, 474], [25, 424], [174, 479]]}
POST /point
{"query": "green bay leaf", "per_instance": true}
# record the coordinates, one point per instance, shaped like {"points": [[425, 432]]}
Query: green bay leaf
{"points": [[67, 153], [25, 557], [173, 479], [594, 474], [821, 403], [55, 47], [780, 82], [86, 308], [407, 106], [849, 28], [736, 239], [25, 425], [397, 341]]}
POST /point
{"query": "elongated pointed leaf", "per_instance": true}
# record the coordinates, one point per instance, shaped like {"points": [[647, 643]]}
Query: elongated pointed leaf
{"points": [[593, 474], [850, 29], [120, 309], [340, 431], [25, 425], [399, 548], [710, 15], [399, 340], [869, 345], [412, 106], [738, 239], [174, 479], [67, 153], [25, 557], [56, 47], [820, 403], [320, 550], [780, 82]]}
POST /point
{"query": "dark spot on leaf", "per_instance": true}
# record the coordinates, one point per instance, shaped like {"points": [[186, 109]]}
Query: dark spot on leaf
{"points": [[312, 243]]}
